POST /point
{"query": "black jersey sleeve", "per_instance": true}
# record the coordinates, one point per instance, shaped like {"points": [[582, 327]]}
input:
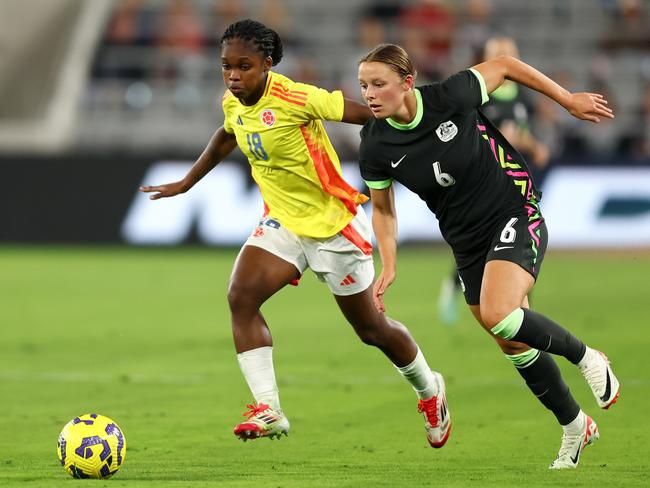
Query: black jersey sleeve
{"points": [[464, 91], [371, 171]]}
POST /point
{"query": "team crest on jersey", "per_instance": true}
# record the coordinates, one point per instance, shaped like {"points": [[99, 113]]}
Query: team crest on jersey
{"points": [[267, 117], [447, 131]]}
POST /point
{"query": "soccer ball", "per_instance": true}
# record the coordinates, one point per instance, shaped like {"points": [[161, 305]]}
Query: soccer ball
{"points": [[91, 446]]}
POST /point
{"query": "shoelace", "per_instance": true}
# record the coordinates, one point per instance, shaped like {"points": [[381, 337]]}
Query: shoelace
{"points": [[569, 440], [253, 410], [430, 409], [594, 375]]}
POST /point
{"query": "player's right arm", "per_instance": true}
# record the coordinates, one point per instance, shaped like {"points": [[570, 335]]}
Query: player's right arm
{"points": [[384, 225], [221, 144]]}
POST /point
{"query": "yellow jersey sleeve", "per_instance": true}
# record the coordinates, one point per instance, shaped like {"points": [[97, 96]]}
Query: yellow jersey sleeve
{"points": [[320, 103], [228, 102]]}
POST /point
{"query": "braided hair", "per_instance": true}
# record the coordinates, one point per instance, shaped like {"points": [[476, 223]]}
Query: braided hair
{"points": [[268, 41]]}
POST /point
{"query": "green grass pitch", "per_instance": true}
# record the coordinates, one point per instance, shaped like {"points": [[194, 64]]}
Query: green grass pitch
{"points": [[143, 336]]}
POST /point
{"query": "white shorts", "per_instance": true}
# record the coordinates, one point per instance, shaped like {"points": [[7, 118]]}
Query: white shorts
{"points": [[343, 261]]}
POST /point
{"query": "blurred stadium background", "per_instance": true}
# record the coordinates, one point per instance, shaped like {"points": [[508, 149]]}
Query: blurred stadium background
{"points": [[101, 96]]}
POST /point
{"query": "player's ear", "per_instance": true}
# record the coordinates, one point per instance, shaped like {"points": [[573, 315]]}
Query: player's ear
{"points": [[408, 82], [268, 63]]}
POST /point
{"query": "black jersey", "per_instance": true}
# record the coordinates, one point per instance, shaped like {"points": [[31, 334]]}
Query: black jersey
{"points": [[452, 158], [508, 103]]}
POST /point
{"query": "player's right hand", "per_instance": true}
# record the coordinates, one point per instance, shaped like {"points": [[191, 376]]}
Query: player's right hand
{"points": [[164, 191]]}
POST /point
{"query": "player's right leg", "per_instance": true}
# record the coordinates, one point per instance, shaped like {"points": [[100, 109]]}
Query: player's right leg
{"points": [[543, 378], [258, 273]]}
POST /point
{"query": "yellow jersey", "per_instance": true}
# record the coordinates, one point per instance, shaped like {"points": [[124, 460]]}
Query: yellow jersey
{"points": [[292, 159]]}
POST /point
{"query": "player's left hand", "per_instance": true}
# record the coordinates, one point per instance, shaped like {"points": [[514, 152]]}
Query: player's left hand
{"points": [[384, 280], [589, 106]]}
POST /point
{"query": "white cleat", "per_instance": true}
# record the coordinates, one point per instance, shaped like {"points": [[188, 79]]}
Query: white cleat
{"points": [[573, 444], [262, 421], [596, 369], [437, 419]]}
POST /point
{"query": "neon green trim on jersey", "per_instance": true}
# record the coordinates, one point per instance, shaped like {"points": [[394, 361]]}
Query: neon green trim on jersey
{"points": [[481, 81], [509, 326], [379, 185], [416, 120], [506, 92], [524, 359]]}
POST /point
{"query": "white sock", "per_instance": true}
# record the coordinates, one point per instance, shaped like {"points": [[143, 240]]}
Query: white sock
{"points": [[420, 376], [586, 358], [257, 367], [577, 425]]}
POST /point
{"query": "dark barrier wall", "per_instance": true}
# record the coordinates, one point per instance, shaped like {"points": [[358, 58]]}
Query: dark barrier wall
{"points": [[88, 200], [67, 200]]}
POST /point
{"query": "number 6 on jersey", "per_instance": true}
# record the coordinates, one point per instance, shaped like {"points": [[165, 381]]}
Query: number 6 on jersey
{"points": [[443, 179]]}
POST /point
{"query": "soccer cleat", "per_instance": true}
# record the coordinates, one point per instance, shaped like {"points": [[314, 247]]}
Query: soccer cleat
{"points": [[437, 419], [600, 377], [262, 421], [573, 444]]}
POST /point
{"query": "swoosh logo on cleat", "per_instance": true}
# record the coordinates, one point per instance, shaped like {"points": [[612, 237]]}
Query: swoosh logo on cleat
{"points": [[574, 459], [608, 388]]}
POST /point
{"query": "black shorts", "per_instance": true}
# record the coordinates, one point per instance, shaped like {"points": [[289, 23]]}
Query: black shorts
{"points": [[519, 239]]}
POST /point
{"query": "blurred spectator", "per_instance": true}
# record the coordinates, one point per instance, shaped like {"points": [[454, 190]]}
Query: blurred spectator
{"points": [[180, 39], [510, 109], [629, 26], [180, 58], [596, 142], [278, 17], [474, 31], [131, 26], [370, 31], [224, 13], [638, 141], [426, 31]]}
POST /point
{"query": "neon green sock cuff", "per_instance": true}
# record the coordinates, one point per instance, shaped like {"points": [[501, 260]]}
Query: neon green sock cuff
{"points": [[524, 359], [509, 326]]}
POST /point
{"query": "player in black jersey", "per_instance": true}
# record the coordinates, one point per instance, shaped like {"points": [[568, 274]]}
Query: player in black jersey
{"points": [[508, 109], [435, 141]]}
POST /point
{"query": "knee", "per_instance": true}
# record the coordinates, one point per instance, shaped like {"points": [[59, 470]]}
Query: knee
{"points": [[504, 326], [511, 348], [370, 334], [241, 297], [495, 315]]}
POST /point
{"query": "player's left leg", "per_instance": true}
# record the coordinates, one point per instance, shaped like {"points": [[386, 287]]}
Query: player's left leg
{"points": [[396, 343], [344, 262]]}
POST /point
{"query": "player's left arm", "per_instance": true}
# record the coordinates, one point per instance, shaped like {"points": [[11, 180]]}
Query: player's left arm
{"points": [[355, 112], [583, 105]]}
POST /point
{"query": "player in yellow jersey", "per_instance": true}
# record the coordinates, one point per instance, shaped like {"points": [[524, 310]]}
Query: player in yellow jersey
{"points": [[312, 219]]}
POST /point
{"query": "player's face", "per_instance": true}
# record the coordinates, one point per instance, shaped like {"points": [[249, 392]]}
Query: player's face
{"points": [[382, 88], [244, 69]]}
